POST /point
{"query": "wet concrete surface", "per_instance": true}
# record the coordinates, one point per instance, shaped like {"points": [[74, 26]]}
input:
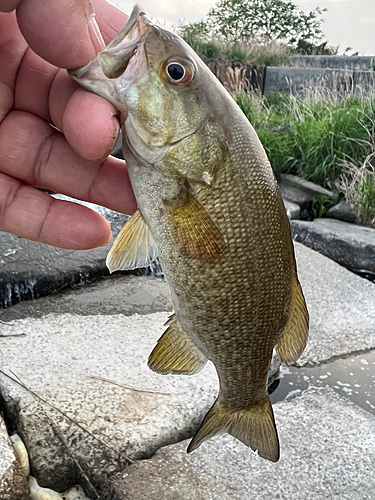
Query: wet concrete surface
{"points": [[351, 376]]}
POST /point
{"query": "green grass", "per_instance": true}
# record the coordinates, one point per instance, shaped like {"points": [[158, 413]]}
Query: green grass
{"points": [[312, 137], [358, 184]]}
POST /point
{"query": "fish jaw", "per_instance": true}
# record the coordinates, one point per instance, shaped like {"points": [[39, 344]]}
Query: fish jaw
{"points": [[106, 75]]}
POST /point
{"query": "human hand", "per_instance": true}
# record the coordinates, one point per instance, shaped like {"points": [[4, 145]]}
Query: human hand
{"points": [[36, 41]]}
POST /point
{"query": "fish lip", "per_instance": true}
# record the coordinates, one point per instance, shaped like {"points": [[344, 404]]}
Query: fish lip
{"points": [[114, 58]]}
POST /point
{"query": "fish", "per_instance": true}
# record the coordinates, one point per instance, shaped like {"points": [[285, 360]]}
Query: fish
{"points": [[210, 208]]}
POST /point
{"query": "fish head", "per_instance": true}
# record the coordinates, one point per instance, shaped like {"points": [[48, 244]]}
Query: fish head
{"points": [[152, 77]]}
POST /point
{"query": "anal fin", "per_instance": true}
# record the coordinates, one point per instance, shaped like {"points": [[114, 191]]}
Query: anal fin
{"points": [[175, 352], [134, 246], [294, 337], [254, 426]]}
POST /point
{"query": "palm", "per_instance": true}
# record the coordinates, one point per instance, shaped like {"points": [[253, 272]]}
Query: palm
{"points": [[35, 93]]}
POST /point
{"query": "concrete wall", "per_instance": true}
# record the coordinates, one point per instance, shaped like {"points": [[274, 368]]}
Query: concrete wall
{"points": [[357, 63], [304, 80]]}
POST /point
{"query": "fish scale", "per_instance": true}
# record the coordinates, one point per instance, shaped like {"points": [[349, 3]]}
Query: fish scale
{"points": [[209, 205]]}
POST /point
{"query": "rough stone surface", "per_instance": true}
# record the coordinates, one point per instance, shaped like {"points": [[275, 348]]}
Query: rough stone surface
{"points": [[341, 307], [348, 244], [343, 211], [327, 452], [31, 270], [60, 352], [116, 294], [57, 359], [292, 209], [13, 483], [300, 191]]}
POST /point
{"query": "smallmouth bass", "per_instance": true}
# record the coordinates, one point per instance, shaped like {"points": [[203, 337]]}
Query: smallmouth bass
{"points": [[210, 208]]}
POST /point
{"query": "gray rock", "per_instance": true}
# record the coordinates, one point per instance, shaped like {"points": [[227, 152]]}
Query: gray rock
{"points": [[341, 307], [102, 424], [117, 294], [327, 451], [292, 209], [300, 191], [350, 245], [60, 352], [31, 270], [343, 211], [13, 483]]}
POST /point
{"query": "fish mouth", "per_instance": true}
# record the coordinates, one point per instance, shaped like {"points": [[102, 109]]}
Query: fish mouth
{"points": [[114, 59]]}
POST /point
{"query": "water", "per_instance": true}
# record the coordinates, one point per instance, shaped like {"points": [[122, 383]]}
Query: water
{"points": [[364, 273], [352, 377]]}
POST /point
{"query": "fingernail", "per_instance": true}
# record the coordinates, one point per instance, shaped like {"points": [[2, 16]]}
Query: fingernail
{"points": [[95, 35], [109, 241]]}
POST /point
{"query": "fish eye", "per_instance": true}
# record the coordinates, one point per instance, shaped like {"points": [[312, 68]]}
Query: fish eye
{"points": [[178, 72]]}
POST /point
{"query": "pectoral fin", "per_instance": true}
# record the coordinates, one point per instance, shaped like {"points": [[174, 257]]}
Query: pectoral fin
{"points": [[195, 233], [294, 337], [134, 246], [175, 352]]}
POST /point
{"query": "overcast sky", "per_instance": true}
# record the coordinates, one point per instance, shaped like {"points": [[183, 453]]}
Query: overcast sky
{"points": [[347, 22]]}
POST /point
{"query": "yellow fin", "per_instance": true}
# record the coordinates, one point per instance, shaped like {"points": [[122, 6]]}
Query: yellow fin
{"points": [[194, 231], [294, 337], [175, 352], [134, 246], [255, 427]]}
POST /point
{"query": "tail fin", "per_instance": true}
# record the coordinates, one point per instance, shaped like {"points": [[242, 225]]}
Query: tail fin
{"points": [[254, 427]]}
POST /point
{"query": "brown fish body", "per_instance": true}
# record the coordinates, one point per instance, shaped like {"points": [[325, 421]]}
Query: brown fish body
{"points": [[234, 306], [209, 205]]}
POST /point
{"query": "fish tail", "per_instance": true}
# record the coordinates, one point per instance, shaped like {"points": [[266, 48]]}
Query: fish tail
{"points": [[255, 427]]}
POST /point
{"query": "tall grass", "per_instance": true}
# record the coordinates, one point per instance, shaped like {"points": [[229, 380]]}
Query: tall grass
{"points": [[314, 135], [358, 184]]}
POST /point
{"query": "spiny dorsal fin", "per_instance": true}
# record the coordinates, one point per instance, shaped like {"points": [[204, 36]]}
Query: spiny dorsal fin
{"points": [[255, 427], [134, 246], [294, 337], [175, 352], [194, 231]]}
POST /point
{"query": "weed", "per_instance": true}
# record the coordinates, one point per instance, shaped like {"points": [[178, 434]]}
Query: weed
{"points": [[312, 136], [358, 184]]}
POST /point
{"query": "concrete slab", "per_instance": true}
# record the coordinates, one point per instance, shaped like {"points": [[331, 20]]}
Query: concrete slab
{"points": [[341, 307], [348, 244], [13, 482], [327, 451], [115, 294], [102, 423]]}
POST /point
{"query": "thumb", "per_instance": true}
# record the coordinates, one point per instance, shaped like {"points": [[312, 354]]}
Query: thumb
{"points": [[63, 32]]}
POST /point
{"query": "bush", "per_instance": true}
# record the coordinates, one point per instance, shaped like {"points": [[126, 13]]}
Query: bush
{"points": [[312, 137]]}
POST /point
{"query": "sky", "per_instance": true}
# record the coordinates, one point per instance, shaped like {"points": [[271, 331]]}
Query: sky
{"points": [[348, 23]]}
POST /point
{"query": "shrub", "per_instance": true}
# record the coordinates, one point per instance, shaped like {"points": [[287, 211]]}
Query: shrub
{"points": [[312, 137]]}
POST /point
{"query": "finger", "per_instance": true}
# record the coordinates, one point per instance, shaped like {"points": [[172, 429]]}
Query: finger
{"points": [[33, 85], [63, 32], [110, 19], [9, 5], [37, 154], [34, 215]]}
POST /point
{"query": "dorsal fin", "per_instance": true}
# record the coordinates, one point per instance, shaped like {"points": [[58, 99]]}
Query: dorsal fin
{"points": [[175, 352], [294, 337], [134, 246]]}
